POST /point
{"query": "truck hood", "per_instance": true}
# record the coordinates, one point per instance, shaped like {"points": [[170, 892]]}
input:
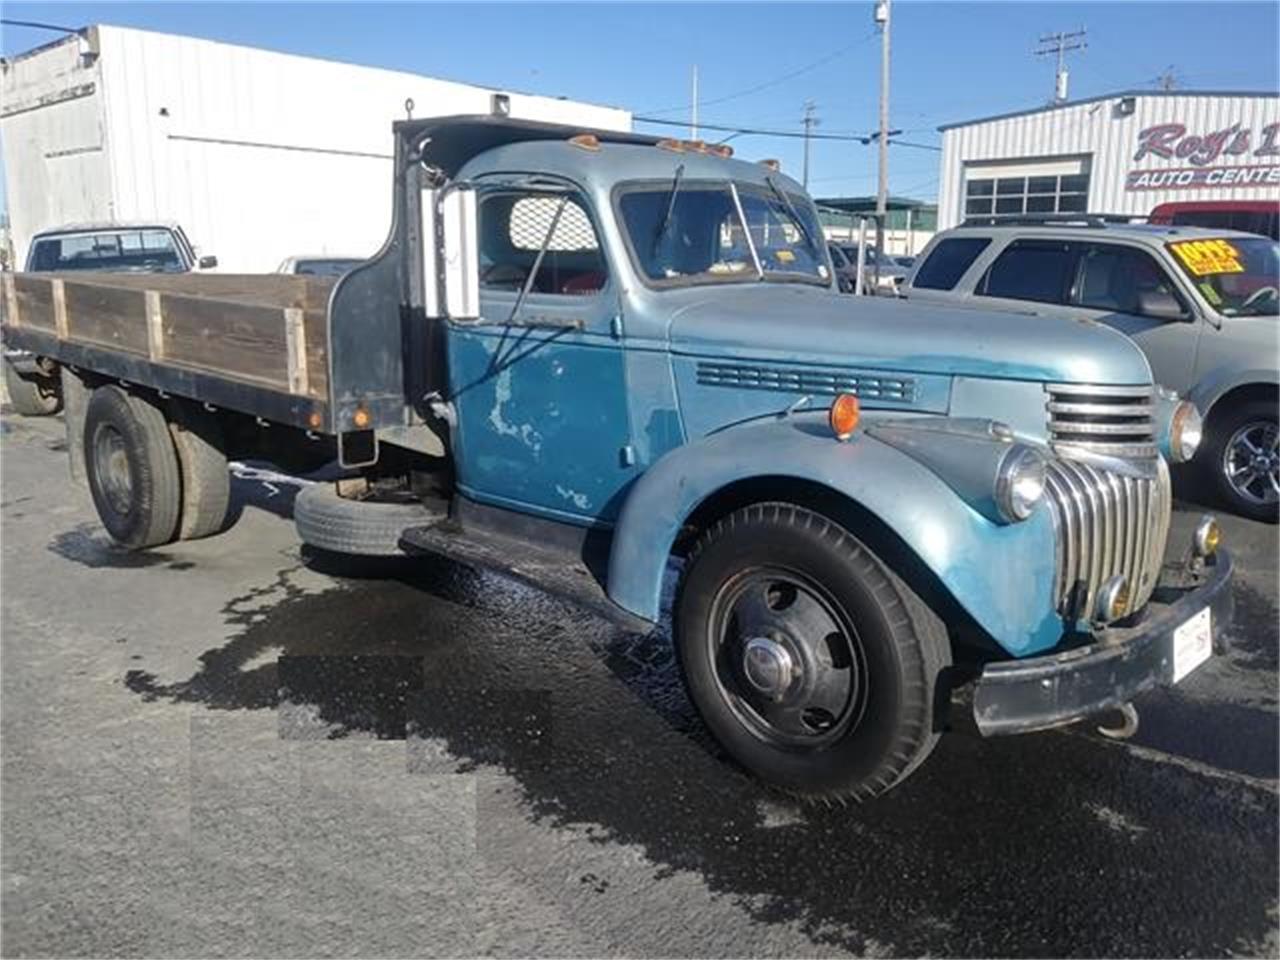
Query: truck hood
{"points": [[805, 324]]}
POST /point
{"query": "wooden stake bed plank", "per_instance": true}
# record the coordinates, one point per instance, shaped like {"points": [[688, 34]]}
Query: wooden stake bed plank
{"points": [[107, 316], [279, 290], [296, 339], [34, 297], [239, 339]]}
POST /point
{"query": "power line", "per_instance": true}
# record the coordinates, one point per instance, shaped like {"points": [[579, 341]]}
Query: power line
{"points": [[864, 139], [770, 83], [35, 25]]}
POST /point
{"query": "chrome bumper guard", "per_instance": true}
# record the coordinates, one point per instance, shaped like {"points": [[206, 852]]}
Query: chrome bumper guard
{"points": [[1039, 693]]}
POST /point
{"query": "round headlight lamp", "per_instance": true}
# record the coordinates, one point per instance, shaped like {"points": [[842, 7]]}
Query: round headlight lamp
{"points": [[1185, 432], [1020, 481]]}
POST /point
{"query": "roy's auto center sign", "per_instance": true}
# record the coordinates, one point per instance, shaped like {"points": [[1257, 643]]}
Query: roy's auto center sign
{"points": [[1187, 160]]}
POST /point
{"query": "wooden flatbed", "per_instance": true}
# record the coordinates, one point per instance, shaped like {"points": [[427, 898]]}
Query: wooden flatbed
{"points": [[255, 343]]}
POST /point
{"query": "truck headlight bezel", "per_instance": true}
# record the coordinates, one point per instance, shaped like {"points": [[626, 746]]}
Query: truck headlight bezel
{"points": [[1020, 482], [1186, 430]]}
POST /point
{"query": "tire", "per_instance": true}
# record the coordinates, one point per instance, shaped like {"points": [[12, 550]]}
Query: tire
{"points": [[880, 665], [35, 395], [1225, 451], [206, 481], [370, 528], [132, 469]]}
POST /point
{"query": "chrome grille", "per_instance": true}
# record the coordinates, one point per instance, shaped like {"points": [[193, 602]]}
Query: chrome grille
{"points": [[1107, 523], [1102, 419]]}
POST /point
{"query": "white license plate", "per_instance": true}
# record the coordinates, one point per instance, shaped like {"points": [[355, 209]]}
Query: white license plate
{"points": [[1192, 644]]}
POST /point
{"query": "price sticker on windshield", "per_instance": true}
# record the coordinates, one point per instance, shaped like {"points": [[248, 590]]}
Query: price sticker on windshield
{"points": [[1207, 257]]}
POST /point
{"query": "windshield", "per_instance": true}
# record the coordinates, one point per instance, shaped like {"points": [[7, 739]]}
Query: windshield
{"points": [[698, 235], [1239, 277], [130, 251]]}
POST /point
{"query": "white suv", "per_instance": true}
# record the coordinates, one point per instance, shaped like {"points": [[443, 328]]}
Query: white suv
{"points": [[1202, 305]]}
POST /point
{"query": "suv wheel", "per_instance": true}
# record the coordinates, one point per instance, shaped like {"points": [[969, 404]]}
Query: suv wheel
{"points": [[1243, 453]]}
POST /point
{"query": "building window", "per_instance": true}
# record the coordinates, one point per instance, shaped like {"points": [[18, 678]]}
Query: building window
{"points": [[1013, 196]]}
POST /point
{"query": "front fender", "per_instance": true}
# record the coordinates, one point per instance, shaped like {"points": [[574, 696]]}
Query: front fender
{"points": [[1221, 380], [1002, 575]]}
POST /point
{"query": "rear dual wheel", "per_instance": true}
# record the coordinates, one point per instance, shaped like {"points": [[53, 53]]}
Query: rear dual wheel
{"points": [[812, 663], [34, 394], [153, 479]]}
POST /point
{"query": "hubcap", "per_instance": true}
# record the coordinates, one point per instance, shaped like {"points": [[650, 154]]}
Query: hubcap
{"points": [[112, 463], [768, 667], [787, 661], [1251, 462]]}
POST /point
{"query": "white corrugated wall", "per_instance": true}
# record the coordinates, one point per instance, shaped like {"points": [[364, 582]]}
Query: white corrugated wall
{"points": [[259, 155], [1100, 131]]}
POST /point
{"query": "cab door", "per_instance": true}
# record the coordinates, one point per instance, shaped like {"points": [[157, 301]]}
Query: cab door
{"points": [[539, 384]]}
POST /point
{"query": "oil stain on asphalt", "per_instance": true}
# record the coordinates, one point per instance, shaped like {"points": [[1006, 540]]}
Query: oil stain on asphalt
{"points": [[1047, 844]]}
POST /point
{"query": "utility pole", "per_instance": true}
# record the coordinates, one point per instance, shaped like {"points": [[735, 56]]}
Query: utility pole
{"points": [[882, 191], [1058, 44], [1167, 80], [693, 127], [810, 121]]}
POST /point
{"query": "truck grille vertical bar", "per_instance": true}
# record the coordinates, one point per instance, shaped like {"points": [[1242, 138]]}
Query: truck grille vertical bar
{"points": [[1106, 524]]}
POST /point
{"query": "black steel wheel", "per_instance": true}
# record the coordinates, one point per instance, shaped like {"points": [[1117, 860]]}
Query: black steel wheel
{"points": [[132, 468], [812, 663]]}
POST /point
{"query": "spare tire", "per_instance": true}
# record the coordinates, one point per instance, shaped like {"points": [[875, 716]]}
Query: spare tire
{"points": [[370, 528]]}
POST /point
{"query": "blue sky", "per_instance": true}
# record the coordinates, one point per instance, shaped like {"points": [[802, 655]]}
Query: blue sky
{"points": [[951, 60]]}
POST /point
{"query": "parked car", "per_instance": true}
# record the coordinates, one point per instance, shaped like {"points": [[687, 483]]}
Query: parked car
{"points": [[1249, 216], [581, 354], [319, 265], [149, 247], [1202, 305], [844, 259]]}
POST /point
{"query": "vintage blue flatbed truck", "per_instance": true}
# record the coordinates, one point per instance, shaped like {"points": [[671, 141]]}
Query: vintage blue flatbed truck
{"points": [[581, 354]]}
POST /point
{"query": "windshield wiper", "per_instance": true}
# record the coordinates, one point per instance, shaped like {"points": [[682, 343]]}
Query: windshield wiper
{"points": [[794, 214], [661, 233]]}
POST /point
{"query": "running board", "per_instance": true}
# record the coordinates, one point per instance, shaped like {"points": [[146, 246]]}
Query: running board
{"points": [[561, 575]]}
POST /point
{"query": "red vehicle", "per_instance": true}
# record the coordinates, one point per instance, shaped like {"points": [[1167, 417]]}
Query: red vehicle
{"points": [[1252, 216]]}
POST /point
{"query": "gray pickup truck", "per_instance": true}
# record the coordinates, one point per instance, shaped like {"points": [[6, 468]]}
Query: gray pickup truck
{"points": [[1202, 305], [112, 247]]}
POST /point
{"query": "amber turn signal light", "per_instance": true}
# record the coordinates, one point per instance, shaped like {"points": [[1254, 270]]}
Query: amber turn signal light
{"points": [[844, 415]]}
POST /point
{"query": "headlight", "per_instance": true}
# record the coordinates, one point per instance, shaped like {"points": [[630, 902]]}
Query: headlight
{"points": [[1019, 482], [1185, 431]]}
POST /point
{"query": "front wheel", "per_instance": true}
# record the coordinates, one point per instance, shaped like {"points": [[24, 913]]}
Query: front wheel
{"points": [[1242, 455], [811, 662]]}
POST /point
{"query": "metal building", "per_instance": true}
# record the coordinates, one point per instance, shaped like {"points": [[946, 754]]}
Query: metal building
{"points": [[1120, 153], [258, 155]]}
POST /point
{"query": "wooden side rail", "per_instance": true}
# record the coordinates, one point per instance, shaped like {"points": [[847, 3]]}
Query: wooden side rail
{"points": [[275, 339]]}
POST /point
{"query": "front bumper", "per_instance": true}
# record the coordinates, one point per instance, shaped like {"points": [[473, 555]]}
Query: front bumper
{"points": [[1019, 696]]}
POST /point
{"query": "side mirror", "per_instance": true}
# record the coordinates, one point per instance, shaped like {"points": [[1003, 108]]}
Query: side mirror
{"points": [[207, 263], [1161, 306], [450, 253]]}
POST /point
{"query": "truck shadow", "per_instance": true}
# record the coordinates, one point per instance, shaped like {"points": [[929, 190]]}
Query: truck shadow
{"points": [[996, 848]]}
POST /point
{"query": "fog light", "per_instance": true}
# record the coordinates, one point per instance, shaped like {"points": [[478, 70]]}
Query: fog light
{"points": [[1207, 537], [1113, 600]]}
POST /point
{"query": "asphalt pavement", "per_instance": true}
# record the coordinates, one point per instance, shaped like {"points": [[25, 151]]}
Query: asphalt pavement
{"points": [[235, 747]]}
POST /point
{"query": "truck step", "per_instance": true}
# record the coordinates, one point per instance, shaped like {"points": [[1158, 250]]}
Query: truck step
{"points": [[557, 573]]}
